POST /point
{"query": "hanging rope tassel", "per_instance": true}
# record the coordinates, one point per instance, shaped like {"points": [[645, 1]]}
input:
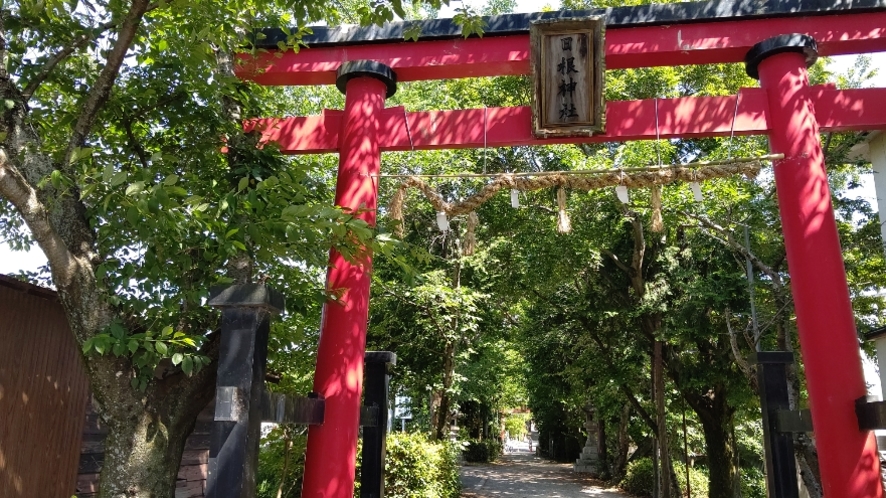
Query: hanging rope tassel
{"points": [[470, 244], [395, 210], [657, 221], [563, 223]]}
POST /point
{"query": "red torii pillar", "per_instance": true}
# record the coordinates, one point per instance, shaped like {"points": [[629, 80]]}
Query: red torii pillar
{"points": [[332, 447], [828, 342]]}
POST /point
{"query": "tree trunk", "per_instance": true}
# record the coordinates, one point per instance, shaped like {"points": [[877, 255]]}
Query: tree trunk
{"points": [[603, 467], [620, 462], [661, 420], [287, 451], [442, 427], [717, 422], [146, 431]]}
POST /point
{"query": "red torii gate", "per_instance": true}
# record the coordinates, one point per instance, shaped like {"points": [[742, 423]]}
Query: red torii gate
{"points": [[776, 39]]}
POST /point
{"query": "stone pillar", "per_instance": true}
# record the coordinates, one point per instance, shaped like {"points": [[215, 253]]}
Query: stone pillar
{"points": [[589, 460]]}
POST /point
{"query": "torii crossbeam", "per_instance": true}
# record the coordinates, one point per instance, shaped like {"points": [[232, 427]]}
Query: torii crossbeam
{"points": [[776, 39]]}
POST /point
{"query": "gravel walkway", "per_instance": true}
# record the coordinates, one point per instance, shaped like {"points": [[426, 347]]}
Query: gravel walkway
{"points": [[520, 474]]}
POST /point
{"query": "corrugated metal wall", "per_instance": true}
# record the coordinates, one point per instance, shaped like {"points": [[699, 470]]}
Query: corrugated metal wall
{"points": [[43, 393], [51, 441]]}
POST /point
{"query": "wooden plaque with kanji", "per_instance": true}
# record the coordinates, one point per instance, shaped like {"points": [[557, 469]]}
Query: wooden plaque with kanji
{"points": [[567, 74]]}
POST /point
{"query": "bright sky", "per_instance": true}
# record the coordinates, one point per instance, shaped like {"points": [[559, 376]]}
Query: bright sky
{"points": [[13, 262]]}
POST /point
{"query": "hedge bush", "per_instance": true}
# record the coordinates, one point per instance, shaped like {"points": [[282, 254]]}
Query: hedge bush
{"points": [[418, 468], [698, 478], [414, 467], [484, 451], [639, 479]]}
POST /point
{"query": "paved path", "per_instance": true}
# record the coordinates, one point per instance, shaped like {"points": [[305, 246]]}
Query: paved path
{"points": [[520, 474]]}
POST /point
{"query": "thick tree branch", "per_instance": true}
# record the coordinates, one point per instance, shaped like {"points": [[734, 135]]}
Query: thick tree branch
{"points": [[240, 267], [4, 75], [625, 389], [16, 189], [621, 266], [726, 239], [101, 90], [632, 399], [743, 365], [135, 144], [60, 56], [639, 252]]}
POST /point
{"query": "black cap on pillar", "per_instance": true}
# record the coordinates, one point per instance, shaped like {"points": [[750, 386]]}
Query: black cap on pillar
{"points": [[803, 44], [372, 69]]}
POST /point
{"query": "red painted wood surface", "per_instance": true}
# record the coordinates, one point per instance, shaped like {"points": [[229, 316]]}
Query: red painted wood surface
{"points": [[331, 454], [825, 322], [702, 43], [837, 110]]}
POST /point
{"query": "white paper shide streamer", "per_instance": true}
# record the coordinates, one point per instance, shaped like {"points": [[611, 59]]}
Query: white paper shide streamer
{"points": [[442, 221], [622, 192], [696, 191], [515, 199]]}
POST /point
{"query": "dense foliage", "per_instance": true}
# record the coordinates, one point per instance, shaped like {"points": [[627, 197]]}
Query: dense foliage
{"points": [[417, 467], [482, 450]]}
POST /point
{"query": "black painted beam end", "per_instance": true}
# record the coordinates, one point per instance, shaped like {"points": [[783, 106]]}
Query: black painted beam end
{"points": [[247, 296], [871, 414]]}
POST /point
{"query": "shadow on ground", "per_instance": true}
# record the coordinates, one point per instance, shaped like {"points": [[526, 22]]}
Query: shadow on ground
{"points": [[523, 475]]}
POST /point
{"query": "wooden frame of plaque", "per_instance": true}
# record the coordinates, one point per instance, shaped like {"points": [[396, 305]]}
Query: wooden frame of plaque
{"points": [[567, 62]]}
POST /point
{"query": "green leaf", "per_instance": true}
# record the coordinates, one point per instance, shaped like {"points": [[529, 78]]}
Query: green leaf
{"points": [[117, 331], [177, 358], [133, 346], [87, 346], [244, 182], [134, 382], [176, 191], [231, 232], [161, 348], [119, 178], [135, 188], [412, 32], [108, 173], [187, 365], [118, 349], [167, 331], [81, 153], [56, 178]]}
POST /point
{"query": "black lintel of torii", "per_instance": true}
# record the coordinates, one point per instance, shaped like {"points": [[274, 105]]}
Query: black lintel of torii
{"points": [[616, 18]]}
